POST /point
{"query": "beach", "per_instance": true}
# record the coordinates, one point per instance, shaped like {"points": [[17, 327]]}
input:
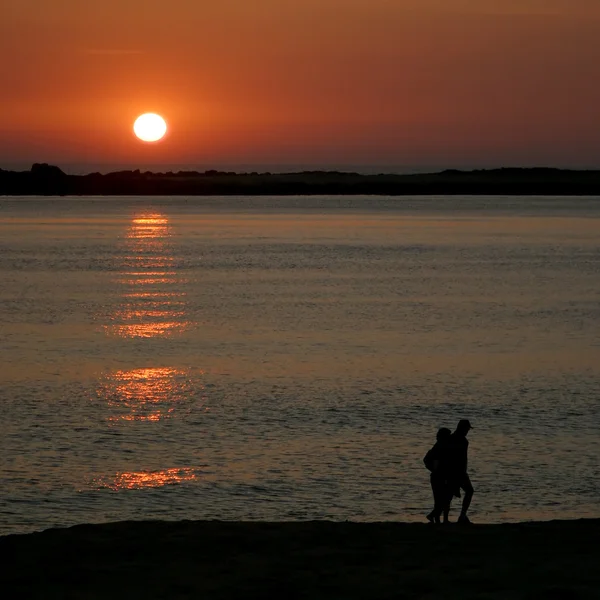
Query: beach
{"points": [[316, 559]]}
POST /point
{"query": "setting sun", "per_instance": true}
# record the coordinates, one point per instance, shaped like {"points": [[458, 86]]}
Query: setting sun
{"points": [[150, 127]]}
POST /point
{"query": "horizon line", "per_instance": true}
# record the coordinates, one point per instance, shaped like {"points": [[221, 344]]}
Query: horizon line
{"points": [[80, 169]]}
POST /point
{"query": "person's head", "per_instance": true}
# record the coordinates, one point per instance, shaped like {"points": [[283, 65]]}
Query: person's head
{"points": [[443, 434], [463, 427]]}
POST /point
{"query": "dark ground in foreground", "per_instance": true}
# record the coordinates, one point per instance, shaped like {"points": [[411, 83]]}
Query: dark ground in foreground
{"points": [[552, 560]]}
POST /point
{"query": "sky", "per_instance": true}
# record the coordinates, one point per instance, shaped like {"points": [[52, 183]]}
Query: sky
{"points": [[314, 82]]}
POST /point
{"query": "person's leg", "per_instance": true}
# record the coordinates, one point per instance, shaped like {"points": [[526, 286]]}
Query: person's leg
{"points": [[438, 500], [447, 509], [467, 487], [431, 516], [447, 501], [439, 504]]}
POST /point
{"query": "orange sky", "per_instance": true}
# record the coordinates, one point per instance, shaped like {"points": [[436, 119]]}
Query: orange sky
{"points": [[314, 82]]}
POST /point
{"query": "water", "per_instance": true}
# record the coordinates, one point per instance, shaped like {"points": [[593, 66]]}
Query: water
{"points": [[292, 358]]}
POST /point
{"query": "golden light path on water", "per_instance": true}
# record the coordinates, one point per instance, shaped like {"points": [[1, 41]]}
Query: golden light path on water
{"points": [[153, 308], [153, 300]]}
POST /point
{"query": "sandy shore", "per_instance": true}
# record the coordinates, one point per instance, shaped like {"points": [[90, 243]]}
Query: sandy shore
{"points": [[552, 560]]}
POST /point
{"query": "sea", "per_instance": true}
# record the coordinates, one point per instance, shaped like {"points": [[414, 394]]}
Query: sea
{"points": [[292, 358]]}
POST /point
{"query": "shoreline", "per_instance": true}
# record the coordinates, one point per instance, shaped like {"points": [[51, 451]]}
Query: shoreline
{"points": [[312, 559]]}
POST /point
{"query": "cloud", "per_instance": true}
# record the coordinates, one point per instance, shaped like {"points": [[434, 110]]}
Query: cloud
{"points": [[111, 52], [523, 8], [540, 8]]}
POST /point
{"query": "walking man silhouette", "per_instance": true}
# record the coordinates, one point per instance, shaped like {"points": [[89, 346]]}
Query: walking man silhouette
{"points": [[459, 448]]}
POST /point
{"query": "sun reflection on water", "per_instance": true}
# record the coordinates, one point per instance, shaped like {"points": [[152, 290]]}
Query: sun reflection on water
{"points": [[153, 299], [149, 330], [149, 226], [150, 394], [135, 480]]}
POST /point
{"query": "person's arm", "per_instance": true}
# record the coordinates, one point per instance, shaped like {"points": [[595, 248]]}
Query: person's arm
{"points": [[431, 459], [428, 460], [435, 457]]}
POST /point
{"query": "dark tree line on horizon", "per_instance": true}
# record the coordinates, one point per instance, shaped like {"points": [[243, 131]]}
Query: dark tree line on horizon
{"points": [[44, 179]]}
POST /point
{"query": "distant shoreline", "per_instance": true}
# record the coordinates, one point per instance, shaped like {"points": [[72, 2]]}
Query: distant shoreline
{"points": [[313, 559], [48, 180]]}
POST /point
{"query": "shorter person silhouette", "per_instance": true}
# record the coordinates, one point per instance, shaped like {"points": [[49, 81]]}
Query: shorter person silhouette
{"points": [[437, 461]]}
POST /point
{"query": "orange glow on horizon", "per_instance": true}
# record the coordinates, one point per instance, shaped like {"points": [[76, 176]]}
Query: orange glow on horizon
{"points": [[401, 82]]}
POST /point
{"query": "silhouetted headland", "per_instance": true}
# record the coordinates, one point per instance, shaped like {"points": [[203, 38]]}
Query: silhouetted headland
{"points": [[44, 179], [311, 560]]}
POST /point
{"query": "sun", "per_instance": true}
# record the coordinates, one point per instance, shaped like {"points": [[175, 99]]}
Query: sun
{"points": [[150, 127]]}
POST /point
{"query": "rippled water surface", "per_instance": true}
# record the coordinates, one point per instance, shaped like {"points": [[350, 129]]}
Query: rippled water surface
{"points": [[292, 358]]}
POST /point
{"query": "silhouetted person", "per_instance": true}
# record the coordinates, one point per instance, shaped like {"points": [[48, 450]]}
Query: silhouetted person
{"points": [[437, 461], [457, 466]]}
